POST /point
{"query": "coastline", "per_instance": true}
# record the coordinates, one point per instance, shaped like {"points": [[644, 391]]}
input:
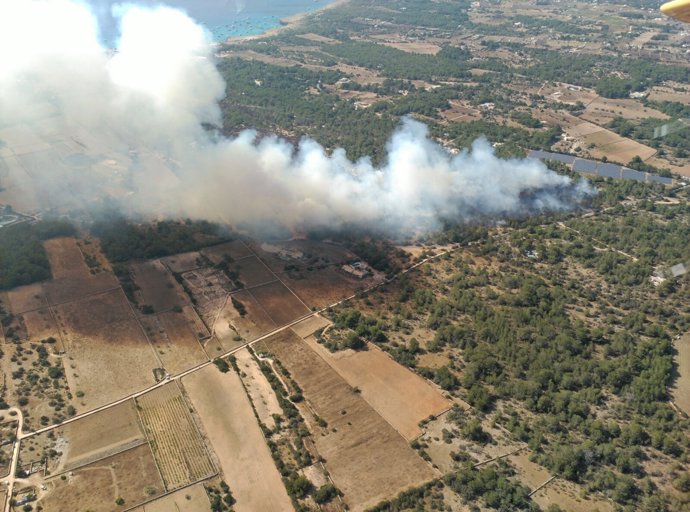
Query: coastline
{"points": [[286, 23]]}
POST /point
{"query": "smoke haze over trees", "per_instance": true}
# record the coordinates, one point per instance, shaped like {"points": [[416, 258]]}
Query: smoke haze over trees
{"points": [[142, 109]]}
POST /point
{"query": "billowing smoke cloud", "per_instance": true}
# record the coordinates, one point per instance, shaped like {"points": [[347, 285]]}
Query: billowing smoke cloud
{"points": [[79, 123]]}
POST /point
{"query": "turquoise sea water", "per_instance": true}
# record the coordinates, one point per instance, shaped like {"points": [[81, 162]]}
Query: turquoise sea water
{"points": [[223, 18]]}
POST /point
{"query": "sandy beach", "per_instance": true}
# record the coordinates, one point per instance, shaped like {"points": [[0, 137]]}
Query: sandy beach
{"points": [[286, 23]]}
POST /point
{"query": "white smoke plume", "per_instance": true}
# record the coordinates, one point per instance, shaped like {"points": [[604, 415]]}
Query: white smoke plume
{"points": [[79, 124]]}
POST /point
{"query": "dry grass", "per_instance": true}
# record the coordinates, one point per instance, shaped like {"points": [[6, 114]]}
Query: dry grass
{"points": [[402, 397], [157, 287], [108, 355], [174, 340], [131, 475], [192, 499], [26, 298], [66, 259], [279, 303], [367, 459], [230, 425], [258, 388]]}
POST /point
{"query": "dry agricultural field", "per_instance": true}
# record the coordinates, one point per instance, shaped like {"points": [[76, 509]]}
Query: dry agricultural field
{"points": [[231, 427], [105, 344], [279, 303], [402, 397], [368, 460], [191, 499], [130, 475], [177, 444]]}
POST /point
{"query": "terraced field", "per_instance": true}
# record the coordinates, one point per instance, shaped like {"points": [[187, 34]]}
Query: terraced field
{"points": [[175, 440]]}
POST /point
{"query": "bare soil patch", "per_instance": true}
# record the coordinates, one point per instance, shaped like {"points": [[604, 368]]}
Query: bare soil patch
{"points": [[568, 496], [367, 459], [230, 425], [318, 38], [310, 325], [87, 440], [131, 475], [258, 388], [175, 440], [665, 93], [102, 432], [279, 303]]}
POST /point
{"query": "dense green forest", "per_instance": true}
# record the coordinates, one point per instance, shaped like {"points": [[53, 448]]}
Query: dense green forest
{"points": [[123, 240], [555, 334], [23, 259]]}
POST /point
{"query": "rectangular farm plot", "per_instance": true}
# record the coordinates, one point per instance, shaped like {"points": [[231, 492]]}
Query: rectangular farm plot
{"points": [[157, 287], [231, 427], [131, 475], [402, 397], [253, 272], [321, 288], [40, 325], [176, 442], [181, 349], [26, 298], [183, 262], [100, 435], [66, 259], [258, 388], [192, 499], [368, 460], [108, 355], [68, 289], [280, 303], [231, 323], [235, 250]]}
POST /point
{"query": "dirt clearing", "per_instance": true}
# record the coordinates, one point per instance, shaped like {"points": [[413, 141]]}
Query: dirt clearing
{"points": [[402, 397], [230, 425], [367, 459]]}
